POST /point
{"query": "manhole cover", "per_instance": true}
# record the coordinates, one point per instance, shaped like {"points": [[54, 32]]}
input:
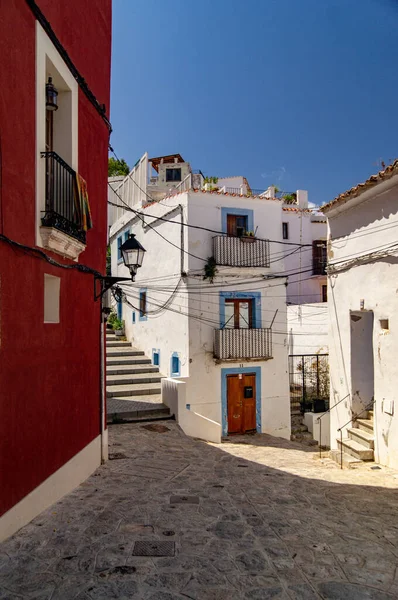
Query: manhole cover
{"points": [[184, 499], [117, 456], [154, 548], [156, 428]]}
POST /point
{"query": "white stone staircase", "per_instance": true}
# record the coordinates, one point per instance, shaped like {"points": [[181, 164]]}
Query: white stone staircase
{"points": [[133, 384], [358, 445]]}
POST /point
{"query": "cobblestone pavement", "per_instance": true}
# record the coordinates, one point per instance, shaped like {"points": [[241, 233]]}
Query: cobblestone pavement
{"points": [[256, 518]]}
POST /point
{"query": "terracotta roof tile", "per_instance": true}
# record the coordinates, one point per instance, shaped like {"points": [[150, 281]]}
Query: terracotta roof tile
{"points": [[383, 175], [172, 195]]}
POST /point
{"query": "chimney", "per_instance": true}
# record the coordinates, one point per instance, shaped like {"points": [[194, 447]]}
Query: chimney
{"points": [[302, 199], [269, 193]]}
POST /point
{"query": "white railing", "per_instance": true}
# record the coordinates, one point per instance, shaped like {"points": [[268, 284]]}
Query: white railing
{"points": [[242, 343], [232, 251]]}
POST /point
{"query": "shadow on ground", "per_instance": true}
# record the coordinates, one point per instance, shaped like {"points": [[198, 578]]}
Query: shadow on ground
{"points": [[247, 521]]}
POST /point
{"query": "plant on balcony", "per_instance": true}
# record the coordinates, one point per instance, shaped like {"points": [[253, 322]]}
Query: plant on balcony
{"points": [[210, 269], [290, 198], [210, 184], [248, 236]]}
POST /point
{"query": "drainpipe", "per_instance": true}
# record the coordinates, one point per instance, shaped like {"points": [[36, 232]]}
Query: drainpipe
{"points": [[103, 431]]}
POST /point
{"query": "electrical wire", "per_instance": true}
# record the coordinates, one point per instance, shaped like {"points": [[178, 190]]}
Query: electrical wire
{"points": [[209, 322], [37, 253]]}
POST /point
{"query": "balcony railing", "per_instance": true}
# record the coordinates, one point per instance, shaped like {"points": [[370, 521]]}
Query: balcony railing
{"points": [[242, 343], [232, 251], [61, 198]]}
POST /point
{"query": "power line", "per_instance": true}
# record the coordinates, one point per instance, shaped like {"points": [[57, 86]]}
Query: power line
{"points": [[210, 322], [158, 218]]}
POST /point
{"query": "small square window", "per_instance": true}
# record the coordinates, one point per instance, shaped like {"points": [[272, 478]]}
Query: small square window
{"points": [[384, 324], [143, 307], [156, 358], [175, 365], [285, 231], [173, 174], [52, 287]]}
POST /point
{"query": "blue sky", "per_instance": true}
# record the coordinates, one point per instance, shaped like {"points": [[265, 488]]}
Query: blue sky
{"points": [[302, 94]]}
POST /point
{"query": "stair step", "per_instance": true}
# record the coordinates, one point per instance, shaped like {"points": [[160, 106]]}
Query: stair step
{"points": [[128, 369], [137, 389], [365, 425], [114, 344], [123, 352], [127, 360], [356, 450], [133, 378], [370, 415], [153, 399], [349, 462], [362, 437]]}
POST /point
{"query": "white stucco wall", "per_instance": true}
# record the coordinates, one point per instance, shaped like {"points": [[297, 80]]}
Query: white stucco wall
{"points": [[354, 232], [205, 381], [303, 287], [164, 329], [206, 210], [171, 330], [308, 326]]}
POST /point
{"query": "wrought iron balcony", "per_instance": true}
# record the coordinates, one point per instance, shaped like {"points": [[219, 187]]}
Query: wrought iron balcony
{"points": [[242, 343], [61, 210], [232, 251]]}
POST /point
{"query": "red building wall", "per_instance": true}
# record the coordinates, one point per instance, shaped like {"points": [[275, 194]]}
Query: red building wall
{"points": [[49, 373]]}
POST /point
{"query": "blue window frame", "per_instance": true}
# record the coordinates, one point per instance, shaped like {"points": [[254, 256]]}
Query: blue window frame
{"points": [[119, 309], [255, 296], [242, 212], [175, 365], [119, 249], [120, 241], [143, 305], [133, 317], [155, 357]]}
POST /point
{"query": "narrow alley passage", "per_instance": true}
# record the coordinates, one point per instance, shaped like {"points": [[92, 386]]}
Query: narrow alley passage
{"points": [[172, 518]]}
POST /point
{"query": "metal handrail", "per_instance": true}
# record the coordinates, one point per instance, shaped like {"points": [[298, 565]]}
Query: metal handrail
{"points": [[353, 419], [320, 422]]}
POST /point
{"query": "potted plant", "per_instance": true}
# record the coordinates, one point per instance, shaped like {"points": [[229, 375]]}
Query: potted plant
{"points": [[110, 320], [211, 184], [248, 236], [118, 327]]}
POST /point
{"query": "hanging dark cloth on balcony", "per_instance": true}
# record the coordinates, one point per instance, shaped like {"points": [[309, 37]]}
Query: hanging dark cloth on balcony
{"points": [[82, 205]]}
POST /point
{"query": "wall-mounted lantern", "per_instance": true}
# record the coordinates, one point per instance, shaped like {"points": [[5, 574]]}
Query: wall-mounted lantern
{"points": [[51, 95]]}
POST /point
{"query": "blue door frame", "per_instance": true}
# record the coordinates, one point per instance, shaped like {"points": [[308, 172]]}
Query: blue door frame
{"points": [[119, 309], [224, 399]]}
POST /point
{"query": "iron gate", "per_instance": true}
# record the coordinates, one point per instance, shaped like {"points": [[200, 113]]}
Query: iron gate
{"points": [[309, 382]]}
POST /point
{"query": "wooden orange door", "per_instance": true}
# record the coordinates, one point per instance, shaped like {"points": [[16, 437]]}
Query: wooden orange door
{"points": [[234, 403], [241, 403], [249, 402]]}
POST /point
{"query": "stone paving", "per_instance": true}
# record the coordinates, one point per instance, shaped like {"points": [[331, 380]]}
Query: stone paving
{"points": [[256, 518], [137, 407]]}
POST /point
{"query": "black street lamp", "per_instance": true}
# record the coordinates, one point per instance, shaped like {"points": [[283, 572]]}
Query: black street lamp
{"points": [[133, 255]]}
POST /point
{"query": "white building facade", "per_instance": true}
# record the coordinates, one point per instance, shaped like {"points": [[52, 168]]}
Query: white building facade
{"points": [[221, 341], [362, 278]]}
